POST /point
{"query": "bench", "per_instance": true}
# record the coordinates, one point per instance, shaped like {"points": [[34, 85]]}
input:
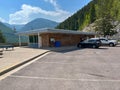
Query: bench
{"points": [[6, 46]]}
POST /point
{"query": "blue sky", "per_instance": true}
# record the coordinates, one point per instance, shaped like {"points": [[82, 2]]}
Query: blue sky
{"points": [[23, 11]]}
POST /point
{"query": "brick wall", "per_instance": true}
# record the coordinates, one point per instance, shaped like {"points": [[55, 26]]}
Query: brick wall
{"points": [[45, 40], [65, 39]]}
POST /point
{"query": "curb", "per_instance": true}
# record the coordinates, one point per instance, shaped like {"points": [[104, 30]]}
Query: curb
{"points": [[20, 64]]}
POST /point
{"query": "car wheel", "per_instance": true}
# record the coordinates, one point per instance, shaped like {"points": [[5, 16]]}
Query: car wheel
{"points": [[111, 44], [79, 46], [97, 47], [94, 46]]}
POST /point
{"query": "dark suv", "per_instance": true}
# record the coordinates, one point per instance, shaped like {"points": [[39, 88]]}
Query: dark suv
{"points": [[90, 43]]}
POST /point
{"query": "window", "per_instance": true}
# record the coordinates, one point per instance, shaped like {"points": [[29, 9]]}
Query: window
{"points": [[91, 41], [33, 39]]}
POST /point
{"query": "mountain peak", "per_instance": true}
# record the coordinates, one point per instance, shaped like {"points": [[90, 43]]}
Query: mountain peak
{"points": [[39, 23]]}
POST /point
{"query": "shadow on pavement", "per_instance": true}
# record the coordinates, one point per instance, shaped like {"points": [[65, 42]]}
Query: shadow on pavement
{"points": [[103, 48], [65, 49], [117, 46], [70, 50], [62, 49]]}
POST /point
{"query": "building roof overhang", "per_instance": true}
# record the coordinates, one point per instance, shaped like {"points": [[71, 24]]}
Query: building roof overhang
{"points": [[48, 30]]}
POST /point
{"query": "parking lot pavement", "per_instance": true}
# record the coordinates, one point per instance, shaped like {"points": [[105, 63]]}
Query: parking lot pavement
{"points": [[82, 69]]}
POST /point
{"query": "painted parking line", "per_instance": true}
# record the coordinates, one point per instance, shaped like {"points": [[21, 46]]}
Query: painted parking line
{"points": [[64, 79], [17, 69], [57, 63]]}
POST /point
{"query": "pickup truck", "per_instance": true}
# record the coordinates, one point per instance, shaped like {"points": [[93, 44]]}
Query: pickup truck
{"points": [[108, 42]]}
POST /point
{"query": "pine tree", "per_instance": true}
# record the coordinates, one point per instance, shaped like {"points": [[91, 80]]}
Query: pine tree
{"points": [[105, 26], [2, 39]]}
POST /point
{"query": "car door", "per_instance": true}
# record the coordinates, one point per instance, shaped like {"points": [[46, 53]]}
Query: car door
{"points": [[91, 43], [104, 41], [85, 43]]}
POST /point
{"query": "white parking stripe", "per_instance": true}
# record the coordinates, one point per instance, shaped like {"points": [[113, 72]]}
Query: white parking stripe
{"points": [[65, 79], [57, 63], [17, 69]]}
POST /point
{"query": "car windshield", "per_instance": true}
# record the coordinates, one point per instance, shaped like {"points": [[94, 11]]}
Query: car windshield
{"points": [[85, 41], [89, 40], [103, 39]]}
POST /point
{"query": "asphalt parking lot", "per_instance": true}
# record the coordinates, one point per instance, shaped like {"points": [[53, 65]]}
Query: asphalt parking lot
{"points": [[81, 69]]}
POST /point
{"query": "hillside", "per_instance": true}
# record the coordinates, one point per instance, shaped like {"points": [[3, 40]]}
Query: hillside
{"points": [[39, 23], [12, 26], [11, 37], [91, 12], [9, 34]]}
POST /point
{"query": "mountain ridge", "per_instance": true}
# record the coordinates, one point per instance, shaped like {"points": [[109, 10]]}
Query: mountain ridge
{"points": [[8, 33], [34, 24], [14, 26], [39, 23], [10, 30]]}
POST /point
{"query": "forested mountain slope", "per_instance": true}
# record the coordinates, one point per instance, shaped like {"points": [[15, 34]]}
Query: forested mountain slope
{"points": [[96, 9], [9, 34]]}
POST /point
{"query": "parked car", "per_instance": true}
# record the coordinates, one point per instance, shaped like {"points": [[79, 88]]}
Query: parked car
{"points": [[90, 43], [108, 42]]}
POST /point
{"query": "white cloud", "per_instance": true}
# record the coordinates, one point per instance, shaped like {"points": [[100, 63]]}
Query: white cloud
{"points": [[28, 13], [2, 20], [54, 3]]}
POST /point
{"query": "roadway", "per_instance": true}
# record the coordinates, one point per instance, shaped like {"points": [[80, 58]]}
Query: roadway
{"points": [[81, 69]]}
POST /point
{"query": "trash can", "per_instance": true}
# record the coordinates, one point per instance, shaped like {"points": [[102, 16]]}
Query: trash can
{"points": [[57, 43]]}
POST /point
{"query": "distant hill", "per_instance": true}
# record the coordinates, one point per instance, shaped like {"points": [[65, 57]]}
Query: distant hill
{"points": [[15, 26], [9, 34], [39, 23], [90, 13], [9, 30]]}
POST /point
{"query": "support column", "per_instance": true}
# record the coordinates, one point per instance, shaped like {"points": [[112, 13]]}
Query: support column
{"points": [[28, 40], [39, 41]]}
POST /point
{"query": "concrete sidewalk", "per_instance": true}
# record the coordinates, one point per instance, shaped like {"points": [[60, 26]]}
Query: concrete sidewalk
{"points": [[12, 59]]}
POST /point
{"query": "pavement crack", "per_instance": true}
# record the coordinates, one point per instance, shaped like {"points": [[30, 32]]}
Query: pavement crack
{"points": [[98, 75], [101, 76]]}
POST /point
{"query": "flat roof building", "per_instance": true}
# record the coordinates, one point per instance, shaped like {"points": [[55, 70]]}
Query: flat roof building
{"points": [[47, 37]]}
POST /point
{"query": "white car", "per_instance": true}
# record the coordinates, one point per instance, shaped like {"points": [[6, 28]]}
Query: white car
{"points": [[111, 43]]}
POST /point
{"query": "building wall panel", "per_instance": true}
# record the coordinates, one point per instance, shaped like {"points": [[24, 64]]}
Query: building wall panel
{"points": [[65, 39]]}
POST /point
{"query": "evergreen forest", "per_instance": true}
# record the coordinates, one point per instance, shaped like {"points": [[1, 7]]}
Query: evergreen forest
{"points": [[93, 11]]}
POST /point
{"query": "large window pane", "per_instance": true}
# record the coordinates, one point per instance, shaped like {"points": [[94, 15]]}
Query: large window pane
{"points": [[33, 39]]}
